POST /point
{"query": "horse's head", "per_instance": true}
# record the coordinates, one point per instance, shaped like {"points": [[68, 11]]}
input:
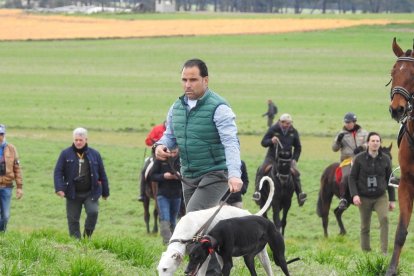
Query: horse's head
{"points": [[402, 89], [282, 167]]}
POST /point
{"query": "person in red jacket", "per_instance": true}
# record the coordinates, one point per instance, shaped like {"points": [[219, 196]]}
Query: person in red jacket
{"points": [[155, 134]]}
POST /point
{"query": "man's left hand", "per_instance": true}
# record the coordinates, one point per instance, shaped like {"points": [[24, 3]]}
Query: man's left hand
{"points": [[235, 184], [19, 193]]}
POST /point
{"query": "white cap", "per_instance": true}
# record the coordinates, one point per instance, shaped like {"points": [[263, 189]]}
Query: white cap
{"points": [[285, 117]]}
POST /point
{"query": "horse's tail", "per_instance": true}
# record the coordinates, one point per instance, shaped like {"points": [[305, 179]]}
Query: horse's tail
{"points": [[319, 204], [270, 197], [327, 178], [323, 181]]}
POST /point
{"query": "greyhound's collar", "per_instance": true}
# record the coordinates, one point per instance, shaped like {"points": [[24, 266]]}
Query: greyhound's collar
{"points": [[211, 241]]}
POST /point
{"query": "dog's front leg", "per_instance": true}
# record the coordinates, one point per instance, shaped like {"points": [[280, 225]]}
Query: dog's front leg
{"points": [[227, 265]]}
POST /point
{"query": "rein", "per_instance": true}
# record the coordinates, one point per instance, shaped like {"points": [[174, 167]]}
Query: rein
{"points": [[170, 162], [200, 232]]}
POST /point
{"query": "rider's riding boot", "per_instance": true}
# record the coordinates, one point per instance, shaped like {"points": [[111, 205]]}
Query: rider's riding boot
{"points": [[298, 189], [165, 231], [343, 204]]}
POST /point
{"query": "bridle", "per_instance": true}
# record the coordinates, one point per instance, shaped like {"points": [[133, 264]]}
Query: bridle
{"points": [[407, 95], [409, 98]]}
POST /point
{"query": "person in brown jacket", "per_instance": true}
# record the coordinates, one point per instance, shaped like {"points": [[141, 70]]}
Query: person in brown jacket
{"points": [[9, 171]]}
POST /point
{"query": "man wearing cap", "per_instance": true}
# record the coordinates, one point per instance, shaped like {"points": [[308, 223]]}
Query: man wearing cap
{"points": [[9, 171], [351, 140], [286, 138]]}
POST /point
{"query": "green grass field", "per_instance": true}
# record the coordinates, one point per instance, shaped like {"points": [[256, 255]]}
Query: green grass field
{"points": [[118, 89]]}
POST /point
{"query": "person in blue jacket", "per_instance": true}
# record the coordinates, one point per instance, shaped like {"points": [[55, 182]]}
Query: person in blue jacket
{"points": [[80, 177]]}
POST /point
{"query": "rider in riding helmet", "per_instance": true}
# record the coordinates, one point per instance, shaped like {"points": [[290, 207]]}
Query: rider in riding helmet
{"points": [[351, 140], [286, 138]]}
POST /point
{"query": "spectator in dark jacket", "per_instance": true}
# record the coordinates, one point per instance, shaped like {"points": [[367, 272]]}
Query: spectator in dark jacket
{"points": [[80, 177], [169, 194], [271, 112], [368, 183], [235, 199]]}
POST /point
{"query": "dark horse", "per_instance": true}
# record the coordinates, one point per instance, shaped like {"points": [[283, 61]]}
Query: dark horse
{"points": [[281, 175], [401, 109], [330, 188], [150, 193]]}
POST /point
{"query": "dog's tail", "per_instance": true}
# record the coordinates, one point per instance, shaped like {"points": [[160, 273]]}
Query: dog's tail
{"points": [[293, 260], [270, 197]]}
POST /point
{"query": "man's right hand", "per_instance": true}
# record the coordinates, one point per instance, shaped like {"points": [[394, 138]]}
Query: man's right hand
{"points": [[163, 153], [275, 140], [61, 193], [340, 137]]}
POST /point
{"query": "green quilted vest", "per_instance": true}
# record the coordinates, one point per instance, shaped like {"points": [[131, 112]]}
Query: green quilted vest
{"points": [[197, 137]]}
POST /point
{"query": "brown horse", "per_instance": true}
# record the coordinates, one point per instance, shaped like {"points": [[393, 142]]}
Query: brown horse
{"points": [[150, 193], [401, 109], [330, 188]]}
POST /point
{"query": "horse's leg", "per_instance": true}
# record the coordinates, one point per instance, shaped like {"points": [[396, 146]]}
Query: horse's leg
{"points": [[154, 190], [338, 214], [146, 212], [405, 200], [155, 229], [276, 215], [285, 208]]}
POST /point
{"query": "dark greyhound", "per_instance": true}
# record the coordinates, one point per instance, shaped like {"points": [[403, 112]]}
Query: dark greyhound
{"points": [[235, 237]]}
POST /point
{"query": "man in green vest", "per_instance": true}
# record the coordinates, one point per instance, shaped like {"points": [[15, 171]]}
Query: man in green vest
{"points": [[201, 127]]}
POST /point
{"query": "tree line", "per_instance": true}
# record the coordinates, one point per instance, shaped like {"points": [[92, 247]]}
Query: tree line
{"points": [[244, 6]]}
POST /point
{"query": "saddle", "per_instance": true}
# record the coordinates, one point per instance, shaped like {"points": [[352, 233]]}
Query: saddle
{"points": [[338, 171]]}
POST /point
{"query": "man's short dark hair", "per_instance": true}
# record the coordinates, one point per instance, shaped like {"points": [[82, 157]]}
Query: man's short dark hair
{"points": [[201, 65], [372, 133]]}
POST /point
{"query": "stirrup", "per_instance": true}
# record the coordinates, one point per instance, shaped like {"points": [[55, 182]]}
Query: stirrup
{"points": [[394, 182], [302, 197]]}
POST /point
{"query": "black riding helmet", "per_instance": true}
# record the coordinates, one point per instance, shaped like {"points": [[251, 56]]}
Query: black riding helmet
{"points": [[350, 117]]}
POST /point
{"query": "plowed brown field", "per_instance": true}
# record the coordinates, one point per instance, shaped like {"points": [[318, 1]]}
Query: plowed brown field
{"points": [[18, 25]]}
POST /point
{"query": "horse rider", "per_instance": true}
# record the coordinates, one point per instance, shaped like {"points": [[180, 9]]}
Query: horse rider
{"points": [[281, 138], [351, 140], [153, 136]]}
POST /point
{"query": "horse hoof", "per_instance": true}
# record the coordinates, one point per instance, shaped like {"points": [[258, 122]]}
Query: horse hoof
{"points": [[256, 196]]}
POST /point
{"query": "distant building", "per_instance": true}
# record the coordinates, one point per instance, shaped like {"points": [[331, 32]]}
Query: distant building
{"points": [[164, 6]]}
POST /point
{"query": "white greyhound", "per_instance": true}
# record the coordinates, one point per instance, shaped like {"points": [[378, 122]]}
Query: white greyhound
{"points": [[189, 224]]}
